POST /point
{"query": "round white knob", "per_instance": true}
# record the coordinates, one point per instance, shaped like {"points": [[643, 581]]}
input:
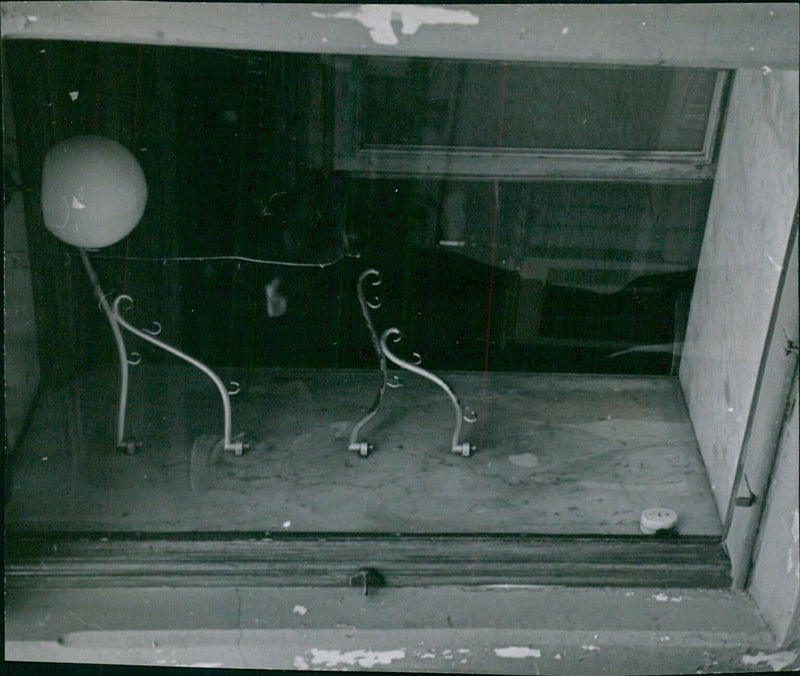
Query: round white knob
{"points": [[655, 519]]}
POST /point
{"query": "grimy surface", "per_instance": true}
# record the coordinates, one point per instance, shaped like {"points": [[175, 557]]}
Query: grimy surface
{"points": [[494, 630], [556, 454]]}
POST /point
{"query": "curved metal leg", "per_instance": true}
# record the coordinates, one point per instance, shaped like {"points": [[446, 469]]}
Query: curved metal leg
{"points": [[128, 445], [362, 447], [463, 448], [237, 446]]}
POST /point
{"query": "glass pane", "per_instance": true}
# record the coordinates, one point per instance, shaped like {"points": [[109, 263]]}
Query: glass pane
{"points": [[428, 102], [554, 310]]}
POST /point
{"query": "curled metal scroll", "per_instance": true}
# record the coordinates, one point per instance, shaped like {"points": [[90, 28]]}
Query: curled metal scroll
{"points": [[457, 446], [235, 445]]}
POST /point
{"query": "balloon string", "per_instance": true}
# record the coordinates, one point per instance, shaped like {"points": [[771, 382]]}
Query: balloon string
{"points": [[243, 259]]}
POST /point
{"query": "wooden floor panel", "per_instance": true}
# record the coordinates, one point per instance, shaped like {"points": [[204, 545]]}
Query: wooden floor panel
{"points": [[561, 455]]}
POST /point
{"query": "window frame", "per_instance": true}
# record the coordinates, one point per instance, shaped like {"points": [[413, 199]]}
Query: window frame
{"points": [[352, 155], [701, 36]]}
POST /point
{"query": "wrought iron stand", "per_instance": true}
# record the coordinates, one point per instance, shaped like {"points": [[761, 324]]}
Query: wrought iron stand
{"points": [[115, 319], [382, 349]]}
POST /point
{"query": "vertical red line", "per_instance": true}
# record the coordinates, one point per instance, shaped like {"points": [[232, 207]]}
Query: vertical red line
{"points": [[493, 259], [134, 122], [134, 126], [489, 308], [95, 119], [96, 127]]}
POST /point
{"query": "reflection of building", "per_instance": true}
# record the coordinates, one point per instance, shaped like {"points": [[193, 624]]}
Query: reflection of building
{"points": [[735, 370]]}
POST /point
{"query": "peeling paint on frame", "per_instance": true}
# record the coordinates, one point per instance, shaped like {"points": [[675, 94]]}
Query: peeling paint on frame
{"points": [[776, 661], [336, 658], [379, 18], [517, 652]]}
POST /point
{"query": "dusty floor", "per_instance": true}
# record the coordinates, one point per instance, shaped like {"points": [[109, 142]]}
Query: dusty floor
{"points": [[555, 454]]}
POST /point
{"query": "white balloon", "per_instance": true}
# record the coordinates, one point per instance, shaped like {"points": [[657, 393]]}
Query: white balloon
{"points": [[93, 191]]}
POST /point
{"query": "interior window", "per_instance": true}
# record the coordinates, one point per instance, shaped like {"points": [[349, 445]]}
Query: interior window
{"points": [[552, 107], [519, 120]]}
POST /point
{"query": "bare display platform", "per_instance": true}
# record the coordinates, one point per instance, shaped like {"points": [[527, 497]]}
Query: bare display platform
{"points": [[555, 455]]}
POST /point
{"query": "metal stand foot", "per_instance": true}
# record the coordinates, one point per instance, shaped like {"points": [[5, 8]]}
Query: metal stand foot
{"points": [[129, 447]]}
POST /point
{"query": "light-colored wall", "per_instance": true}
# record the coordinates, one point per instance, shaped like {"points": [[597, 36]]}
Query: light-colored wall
{"points": [[749, 223], [744, 251], [775, 581]]}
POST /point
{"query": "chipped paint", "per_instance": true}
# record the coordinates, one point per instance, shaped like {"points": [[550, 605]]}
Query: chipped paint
{"points": [[506, 587], [590, 648], [299, 610], [777, 266], [516, 652], [663, 598], [361, 658], [379, 18], [776, 661]]}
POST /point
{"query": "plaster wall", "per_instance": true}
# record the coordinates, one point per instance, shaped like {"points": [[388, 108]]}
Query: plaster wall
{"points": [[749, 224], [775, 581]]}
